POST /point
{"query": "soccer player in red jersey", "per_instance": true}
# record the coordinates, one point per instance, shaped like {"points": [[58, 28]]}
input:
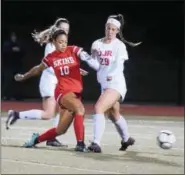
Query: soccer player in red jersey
{"points": [[66, 64], [47, 85]]}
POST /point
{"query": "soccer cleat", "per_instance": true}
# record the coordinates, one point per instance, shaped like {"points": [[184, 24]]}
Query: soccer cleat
{"points": [[94, 147], [13, 116], [55, 143], [125, 145], [81, 147], [32, 142]]}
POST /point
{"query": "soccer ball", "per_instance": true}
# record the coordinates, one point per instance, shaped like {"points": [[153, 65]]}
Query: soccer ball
{"points": [[166, 139]]}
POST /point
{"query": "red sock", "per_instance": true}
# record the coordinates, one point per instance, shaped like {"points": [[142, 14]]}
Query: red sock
{"points": [[84, 133], [48, 135], [79, 127]]}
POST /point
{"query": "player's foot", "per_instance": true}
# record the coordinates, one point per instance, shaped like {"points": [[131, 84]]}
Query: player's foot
{"points": [[13, 116], [94, 147], [81, 147], [32, 142], [125, 145], [55, 143]]}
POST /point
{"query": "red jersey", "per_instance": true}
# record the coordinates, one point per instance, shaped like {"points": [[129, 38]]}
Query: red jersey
{"points": [[66, 66]]}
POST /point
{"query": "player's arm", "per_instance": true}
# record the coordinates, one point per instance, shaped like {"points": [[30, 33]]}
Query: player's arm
{"points": [[117, 65], [36, 70], [77, 51], [84, 56], [90, 60]]}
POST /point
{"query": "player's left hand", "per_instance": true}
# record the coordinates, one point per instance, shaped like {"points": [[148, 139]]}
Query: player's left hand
{"points": [[83, 72]]}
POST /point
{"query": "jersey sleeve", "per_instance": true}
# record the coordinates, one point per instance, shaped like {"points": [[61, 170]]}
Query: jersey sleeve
{"points": [[76, 50], [94, 48], [48, 49], [47, 61], [118, 64], [122, 53]]}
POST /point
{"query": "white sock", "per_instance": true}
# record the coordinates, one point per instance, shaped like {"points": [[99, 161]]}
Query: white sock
{"points": [[122, 128], [56, 120], [31, 114], [99, 127]]}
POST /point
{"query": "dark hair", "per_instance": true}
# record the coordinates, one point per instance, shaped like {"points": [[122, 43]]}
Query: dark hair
{"points": [[56, 33], [120, 18]]}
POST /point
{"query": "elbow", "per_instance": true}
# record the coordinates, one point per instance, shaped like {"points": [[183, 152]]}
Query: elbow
{"points": [[97, 67], [35, 71]]}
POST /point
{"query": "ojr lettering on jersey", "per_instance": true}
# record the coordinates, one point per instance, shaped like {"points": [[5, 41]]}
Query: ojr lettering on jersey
{"points": [[105, 57], [64, 69]]}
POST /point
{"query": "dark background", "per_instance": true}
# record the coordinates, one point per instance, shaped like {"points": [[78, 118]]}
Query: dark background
{"points": [[155, 72]]}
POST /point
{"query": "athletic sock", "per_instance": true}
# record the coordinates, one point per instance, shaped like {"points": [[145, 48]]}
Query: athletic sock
{"points": [[99, 127], [122, 128], [56, 120], [79, 127], [48, 135], [31, 114]]}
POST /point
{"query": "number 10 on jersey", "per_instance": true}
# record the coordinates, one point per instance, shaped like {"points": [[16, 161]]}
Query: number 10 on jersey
{"points": [[64, 70]]}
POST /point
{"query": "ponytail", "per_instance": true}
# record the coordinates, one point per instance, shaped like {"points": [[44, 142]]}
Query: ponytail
{"points": [[45, 36], [120, 18]]}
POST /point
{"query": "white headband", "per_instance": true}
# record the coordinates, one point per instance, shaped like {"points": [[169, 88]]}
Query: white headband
{"points": [[64, 25], [114, 21]]}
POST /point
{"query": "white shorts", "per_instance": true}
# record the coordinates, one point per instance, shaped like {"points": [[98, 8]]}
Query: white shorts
{"points": [[120, 88], [47, 84]]}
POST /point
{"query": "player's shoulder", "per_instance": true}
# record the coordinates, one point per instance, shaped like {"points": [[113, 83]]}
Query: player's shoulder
{"points": [[97, 43], [52, 54], [71, 47], [100, 40], [74, 48], [50, 46], [120, 43]]}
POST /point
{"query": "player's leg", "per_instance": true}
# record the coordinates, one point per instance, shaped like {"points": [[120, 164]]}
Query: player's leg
{"points": [[49, 108], [64, 123], [72, 102], [46, 87], [121, 126], [106, 100]]}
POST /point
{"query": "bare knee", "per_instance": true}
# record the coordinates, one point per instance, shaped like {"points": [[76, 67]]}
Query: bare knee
{"points": [[80, 110], [48, 115], [99, 109], [49, 108], [114, 113]]}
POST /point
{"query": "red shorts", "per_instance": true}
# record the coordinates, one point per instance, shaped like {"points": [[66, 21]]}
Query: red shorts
{"points": [[59, 94]]}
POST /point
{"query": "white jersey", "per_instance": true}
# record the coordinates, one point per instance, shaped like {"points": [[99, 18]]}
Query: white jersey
{"points": [[48, 49], [48, 79], [111, 59]]}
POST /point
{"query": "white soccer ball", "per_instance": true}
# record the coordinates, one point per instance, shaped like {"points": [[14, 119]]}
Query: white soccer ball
{"points": [[166, 139]]}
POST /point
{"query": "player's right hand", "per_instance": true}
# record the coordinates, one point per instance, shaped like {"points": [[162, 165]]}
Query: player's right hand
{"points": [[95, 53], [19, 77]]}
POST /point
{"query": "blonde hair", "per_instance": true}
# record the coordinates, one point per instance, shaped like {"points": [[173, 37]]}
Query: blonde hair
{"points": [[120, 18], [44, 36]]}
